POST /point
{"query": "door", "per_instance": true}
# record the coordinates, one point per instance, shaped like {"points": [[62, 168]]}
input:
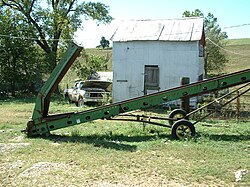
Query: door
{"points": [[151, 79]]}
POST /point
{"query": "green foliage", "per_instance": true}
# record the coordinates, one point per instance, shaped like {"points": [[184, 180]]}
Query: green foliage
{"points": [[88, 63], [54, 21], [104, 43], [215, 41], [20, 66], [195, 13]]}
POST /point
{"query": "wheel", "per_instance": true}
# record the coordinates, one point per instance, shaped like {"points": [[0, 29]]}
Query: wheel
{"points": [[67, 99], [80, 102], [177, 114], [183, 129]]}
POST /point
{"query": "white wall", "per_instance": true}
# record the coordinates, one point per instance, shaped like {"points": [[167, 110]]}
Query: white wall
{"points": [[174, 59]]}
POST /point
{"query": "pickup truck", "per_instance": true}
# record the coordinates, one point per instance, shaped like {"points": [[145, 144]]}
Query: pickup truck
{"points": [[89, 92]]}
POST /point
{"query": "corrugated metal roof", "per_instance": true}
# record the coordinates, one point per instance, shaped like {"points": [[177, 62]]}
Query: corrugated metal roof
{"points": [[188, 29]]}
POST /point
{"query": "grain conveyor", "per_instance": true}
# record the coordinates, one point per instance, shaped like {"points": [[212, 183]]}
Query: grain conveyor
{"points": [[42, 123]]}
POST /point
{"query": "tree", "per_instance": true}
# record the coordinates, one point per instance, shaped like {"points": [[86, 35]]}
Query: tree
{"points": [[215, 40], [19, 63], [89, 63], [56, 20], [104, 43]]}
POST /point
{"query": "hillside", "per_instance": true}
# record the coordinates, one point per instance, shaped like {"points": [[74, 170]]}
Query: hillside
{"points": [[106, 52], [238, 52]]}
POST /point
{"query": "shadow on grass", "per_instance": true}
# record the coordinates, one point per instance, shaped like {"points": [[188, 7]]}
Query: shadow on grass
{"points": [[225, 137], [106, 141], [19, 100], [31, 99]]}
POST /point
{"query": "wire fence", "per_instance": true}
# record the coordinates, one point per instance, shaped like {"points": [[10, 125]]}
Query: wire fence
{"points": [[237, 109]]}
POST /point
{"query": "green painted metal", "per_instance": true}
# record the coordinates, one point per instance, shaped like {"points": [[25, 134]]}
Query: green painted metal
{"points": [[42, 123], [43, 98]]}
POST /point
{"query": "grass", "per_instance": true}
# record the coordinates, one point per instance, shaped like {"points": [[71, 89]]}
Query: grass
{"points": [[242, 41], [104, 153], [238, 54]]}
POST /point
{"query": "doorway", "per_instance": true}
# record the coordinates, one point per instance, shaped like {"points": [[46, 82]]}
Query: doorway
{"points": [[151, 79]]}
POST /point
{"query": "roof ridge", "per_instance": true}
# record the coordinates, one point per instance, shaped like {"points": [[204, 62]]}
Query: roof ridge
{"points": [[170, 19]]}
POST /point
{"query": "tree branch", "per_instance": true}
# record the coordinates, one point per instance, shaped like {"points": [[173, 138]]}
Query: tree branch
{"points": [[31, 6], [41, 34], [11, 5], [42, 46], [14, 5], [70, 6]]}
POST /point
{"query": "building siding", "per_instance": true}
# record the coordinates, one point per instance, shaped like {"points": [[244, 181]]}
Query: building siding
{"points": [[174, 59]]}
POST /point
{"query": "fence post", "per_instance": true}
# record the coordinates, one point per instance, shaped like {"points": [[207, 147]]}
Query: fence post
{"points": [[238, 106], [185, 101]]}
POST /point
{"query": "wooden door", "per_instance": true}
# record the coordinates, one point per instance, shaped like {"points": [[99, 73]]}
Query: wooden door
{"points": [[151, 78]]}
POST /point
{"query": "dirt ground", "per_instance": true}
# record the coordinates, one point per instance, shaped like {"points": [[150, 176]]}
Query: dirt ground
{"points": [[43, 174]]}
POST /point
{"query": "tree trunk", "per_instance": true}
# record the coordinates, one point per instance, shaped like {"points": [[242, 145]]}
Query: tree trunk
{"points": [[13, 88], [53, 63]]}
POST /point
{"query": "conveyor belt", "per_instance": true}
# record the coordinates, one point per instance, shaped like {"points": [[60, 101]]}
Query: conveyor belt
{"points": [[54, 122], [42, 123]]}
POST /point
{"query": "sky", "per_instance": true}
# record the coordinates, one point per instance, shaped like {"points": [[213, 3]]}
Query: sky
{"points": [[233, 16]]}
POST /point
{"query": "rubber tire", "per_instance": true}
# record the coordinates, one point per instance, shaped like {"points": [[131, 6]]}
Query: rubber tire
{"points": [[80, 102], [183, 122], [67, 99], [177, 112]]}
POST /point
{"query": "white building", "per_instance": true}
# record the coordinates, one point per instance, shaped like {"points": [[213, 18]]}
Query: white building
{"points": [[154, 55]]}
